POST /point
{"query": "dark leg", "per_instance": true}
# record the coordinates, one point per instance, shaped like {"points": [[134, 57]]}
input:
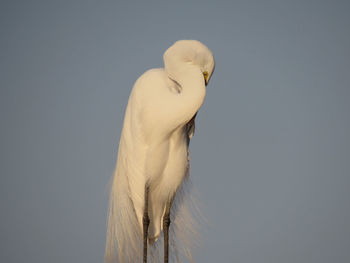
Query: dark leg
{"points": [[166, 224], [145, 221]]}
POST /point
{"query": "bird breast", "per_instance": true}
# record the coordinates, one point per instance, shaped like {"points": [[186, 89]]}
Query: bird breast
{"points": [[168, 162]]}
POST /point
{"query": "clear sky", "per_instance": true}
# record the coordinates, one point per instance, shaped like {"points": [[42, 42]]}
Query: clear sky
{"points": [[271, 154]]}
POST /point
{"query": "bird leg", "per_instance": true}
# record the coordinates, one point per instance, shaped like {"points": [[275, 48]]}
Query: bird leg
{"points": [[145, 221], [166, 224]]}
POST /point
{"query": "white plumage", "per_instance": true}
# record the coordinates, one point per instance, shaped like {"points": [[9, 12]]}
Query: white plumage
{"points": [[153, 151]]}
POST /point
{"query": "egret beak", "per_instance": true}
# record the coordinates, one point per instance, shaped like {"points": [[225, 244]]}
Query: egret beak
{"points": [[206, 77]]}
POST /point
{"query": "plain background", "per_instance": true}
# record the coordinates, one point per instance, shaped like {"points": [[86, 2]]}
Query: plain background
{"points": [[271, 154]]}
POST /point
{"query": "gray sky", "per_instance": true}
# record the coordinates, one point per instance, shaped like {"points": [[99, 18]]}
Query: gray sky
{"points": [[271, 155]]}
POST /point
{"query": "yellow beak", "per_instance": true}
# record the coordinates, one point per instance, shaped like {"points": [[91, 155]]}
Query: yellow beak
{"points": [[206, 77]]}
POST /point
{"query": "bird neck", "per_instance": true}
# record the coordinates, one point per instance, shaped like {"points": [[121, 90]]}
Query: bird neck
{"points": [[193, 90]]}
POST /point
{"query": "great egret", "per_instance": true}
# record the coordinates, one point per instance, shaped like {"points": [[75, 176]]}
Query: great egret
{"points": [[153, 156]]}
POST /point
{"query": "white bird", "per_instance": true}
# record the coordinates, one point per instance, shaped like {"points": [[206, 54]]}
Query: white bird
{"points": [[153, 157]]}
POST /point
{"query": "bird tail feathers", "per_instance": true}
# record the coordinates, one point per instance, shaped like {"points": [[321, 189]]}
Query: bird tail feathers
{"points": [[124, 235]]}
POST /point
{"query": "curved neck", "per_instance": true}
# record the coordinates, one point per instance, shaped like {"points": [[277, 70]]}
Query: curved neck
{"points": [[193, 90]]}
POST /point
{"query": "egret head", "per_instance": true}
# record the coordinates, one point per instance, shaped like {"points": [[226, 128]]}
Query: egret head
{"points": [[191, 52]]}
